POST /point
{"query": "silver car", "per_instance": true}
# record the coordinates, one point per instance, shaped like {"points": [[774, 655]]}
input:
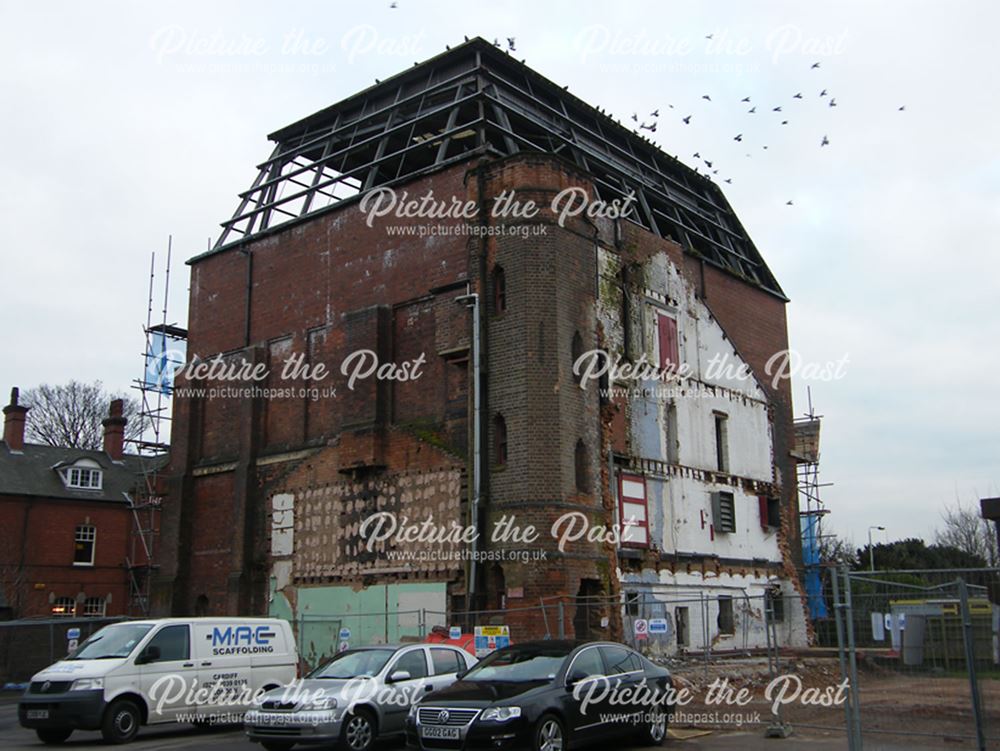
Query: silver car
{"points": [[358, 696]]}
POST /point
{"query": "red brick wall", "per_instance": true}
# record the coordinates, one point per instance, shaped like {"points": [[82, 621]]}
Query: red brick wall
{"points": [[43, 531]]}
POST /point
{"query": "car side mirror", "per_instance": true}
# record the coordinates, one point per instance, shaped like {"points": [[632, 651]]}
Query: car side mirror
{"points": [[149, 654], [572, 680], [399, 675], [461, 674]]}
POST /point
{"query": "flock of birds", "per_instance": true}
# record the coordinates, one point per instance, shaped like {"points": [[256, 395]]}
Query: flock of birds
{"points": [[711, 170], [779, 111]]}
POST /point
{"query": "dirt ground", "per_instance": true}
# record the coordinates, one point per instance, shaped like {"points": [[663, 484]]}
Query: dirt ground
{"points": [[920, 709]]}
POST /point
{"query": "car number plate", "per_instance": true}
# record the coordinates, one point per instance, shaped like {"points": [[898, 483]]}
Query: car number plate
{"points": [[433, 731], [38, 714]]}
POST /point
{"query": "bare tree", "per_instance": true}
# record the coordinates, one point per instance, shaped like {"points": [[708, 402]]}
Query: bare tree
{"points": [[836, 549], [70, 414], [966, 530]]}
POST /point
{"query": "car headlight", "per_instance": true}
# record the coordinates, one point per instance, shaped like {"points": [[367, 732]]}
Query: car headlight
{"points": [[87, 684], [500, 714]]}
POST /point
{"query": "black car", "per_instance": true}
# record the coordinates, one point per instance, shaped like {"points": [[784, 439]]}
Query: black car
{"points": [[546, 696]]}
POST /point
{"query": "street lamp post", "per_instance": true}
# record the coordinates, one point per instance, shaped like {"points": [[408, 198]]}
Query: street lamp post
{"points": [[871, 550]]}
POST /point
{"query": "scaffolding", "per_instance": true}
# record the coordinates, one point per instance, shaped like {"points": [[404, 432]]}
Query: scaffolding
{"points": [[812, 510], [164, 343]]}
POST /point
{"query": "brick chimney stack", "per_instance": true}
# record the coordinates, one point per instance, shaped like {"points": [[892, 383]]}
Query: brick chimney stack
{"points": [[114, 431], [14, 416]]}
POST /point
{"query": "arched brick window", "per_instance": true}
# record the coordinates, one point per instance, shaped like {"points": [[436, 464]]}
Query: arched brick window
{"points": [[499, 440], [581, 467], [499, 290]]}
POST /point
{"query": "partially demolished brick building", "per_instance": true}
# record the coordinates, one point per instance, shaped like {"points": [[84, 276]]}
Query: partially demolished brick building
{"points": [[487, 312]]}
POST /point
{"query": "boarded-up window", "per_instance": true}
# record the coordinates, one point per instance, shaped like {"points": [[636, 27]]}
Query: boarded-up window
{"points": [[633, 510], [724, 512], [666, 330]]}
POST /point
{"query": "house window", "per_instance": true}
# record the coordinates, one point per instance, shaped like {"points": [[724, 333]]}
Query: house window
{"points": [[499, 290], [666, 330], [499, 440], [727, 624], [632, 603], [86, 537], [770, 512], [721, 442], [94, 607], [632, 510], [673, 452], [85, 478], [580, 464], [64, 607], [775, 602], [724, 512]]}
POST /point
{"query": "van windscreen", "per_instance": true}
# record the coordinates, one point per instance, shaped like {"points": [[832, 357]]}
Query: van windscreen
{"points": [[115, 641]]}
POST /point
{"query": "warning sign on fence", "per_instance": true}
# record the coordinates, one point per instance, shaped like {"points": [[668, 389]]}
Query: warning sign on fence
{"points": [[641, 628], [491, 638]]}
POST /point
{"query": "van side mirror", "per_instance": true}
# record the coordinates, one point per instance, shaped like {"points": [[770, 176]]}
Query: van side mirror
{"points": [[399, 675], [149, 654]]}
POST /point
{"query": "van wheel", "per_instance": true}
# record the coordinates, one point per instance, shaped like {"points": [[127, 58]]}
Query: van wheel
{"points": [[121, 721], [358, 733], [53, 735]]}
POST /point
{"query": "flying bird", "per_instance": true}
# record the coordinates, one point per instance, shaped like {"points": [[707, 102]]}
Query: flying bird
{"points": [[776, 109], [797, 96], [706, 97], [833, 102], [687, 120], [902, 109], [393, 5], [825, 141], [655, 113], [738, 137], [709, 36], [789, 203], [823, 92], [814, 66], [697, 155], [707, 163], [510, 44], [635, 117], [728, 180], [784, 122], [751, 110], [745, 99]]}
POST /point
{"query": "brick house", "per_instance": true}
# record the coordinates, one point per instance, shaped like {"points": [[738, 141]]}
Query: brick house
{"points": [[66, 523], [269, 489]]}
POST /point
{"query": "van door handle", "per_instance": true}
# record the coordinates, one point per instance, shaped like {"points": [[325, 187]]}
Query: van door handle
{"points": [[206, 663], [188, 664]]}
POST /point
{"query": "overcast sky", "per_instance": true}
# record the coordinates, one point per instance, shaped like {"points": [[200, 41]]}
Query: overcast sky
{"points": [[126, 122]]}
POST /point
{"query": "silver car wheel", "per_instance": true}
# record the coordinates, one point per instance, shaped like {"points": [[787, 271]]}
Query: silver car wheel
{"points": [[359, 732], [658, 726], [550, 736]]}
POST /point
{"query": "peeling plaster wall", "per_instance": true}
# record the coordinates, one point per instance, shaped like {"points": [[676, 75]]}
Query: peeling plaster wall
{"points": [[680, 481]]}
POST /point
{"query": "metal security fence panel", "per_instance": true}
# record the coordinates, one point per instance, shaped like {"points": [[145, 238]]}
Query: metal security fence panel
{"points": [[920, 649], [29, 645]]}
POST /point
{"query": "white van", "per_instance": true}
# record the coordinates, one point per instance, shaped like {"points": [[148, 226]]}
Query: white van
{"points": [[167, 670]]}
